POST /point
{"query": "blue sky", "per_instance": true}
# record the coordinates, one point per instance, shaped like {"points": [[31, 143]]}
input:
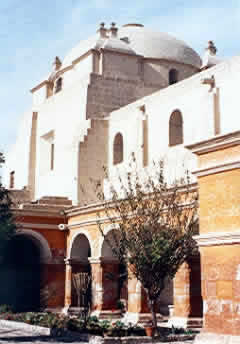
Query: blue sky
{"points": [[33, 32]]}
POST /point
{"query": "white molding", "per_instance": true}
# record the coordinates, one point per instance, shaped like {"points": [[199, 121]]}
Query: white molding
{"points": [[216, 143], [90, 222], [218, 238], [233, 165]]}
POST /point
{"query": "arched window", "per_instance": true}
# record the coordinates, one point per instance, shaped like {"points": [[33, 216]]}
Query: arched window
{"points": [[58, 86], [118, 149], [175, 128], [173, 76]]}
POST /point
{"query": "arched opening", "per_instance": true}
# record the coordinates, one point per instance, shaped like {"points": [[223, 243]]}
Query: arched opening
{"points": [[58, 86], [20, 272], [118, 149], [173, 76], [175, 128], [81, 272], [115, 274]]}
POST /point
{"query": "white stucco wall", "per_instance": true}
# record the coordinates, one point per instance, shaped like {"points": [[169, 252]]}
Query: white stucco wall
{"points": [[195, 101], [64, 114], [39, 96]]}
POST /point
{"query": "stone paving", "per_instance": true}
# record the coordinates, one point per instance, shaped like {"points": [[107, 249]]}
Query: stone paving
{"points": [[10, 335]]}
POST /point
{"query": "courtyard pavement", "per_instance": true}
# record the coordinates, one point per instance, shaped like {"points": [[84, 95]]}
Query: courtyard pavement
{"points": [[10, 335]]}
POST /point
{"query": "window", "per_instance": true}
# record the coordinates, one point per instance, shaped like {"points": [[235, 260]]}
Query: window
{"points": [[12, 180], [173, 76], [118, 149], [47, 153], [175, 128], [58, 86]]}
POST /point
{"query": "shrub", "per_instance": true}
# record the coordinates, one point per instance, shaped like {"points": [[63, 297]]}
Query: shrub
{"points": [[6, 309]]}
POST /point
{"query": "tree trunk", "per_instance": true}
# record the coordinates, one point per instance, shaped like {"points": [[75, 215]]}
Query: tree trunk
{"points": [[151, 304]]}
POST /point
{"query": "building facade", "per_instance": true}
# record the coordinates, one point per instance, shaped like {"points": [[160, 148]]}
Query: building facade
{"points": [[123, 91]]}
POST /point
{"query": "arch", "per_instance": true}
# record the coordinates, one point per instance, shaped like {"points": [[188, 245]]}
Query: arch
{"points": [[21, 273], [109, 240], [80, 248], [74, 237], [58, 85], [173, 76], [175, 128], [118, 149], [40, 242], [79, 252]]}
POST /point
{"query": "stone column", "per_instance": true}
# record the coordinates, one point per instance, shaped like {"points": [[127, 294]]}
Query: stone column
{"points": [[137, 301], [68, 285], [97, 284], [181, 297], [104, 283]]}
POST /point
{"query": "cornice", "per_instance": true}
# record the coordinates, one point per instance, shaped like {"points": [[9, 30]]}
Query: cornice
{"points": [[37, 226], [155, 59], [49, 213], [218, 238], [119, 52], [78, 59], [94, 207], [216, 143], [93, 221], [217, 169]]}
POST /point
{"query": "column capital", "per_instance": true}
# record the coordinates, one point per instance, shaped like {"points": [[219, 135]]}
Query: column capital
{"points": [[94, 260], [99, 260], [68, 261]]}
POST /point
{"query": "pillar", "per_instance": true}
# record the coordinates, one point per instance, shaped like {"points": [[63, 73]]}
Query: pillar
{"points": [[187, 295], [97, 285], [137, 300], [68, 284], [181, 297], [104, 284]]}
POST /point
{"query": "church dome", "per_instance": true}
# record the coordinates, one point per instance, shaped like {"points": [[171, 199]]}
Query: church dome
{"points": [[142, 41]]}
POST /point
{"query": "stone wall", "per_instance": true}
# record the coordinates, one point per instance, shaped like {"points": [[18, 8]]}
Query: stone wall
{"points": [[92, 157], [106, 94]]}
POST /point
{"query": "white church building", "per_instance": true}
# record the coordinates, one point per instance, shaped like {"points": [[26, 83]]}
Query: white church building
{"points": [[126, 89], [122, 91]]}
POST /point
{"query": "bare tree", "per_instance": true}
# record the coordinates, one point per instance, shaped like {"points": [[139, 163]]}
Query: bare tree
{"points": [[155, 221]]}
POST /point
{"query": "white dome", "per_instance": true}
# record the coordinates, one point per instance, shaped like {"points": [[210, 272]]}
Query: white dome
{"points": [[143, 42]]}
